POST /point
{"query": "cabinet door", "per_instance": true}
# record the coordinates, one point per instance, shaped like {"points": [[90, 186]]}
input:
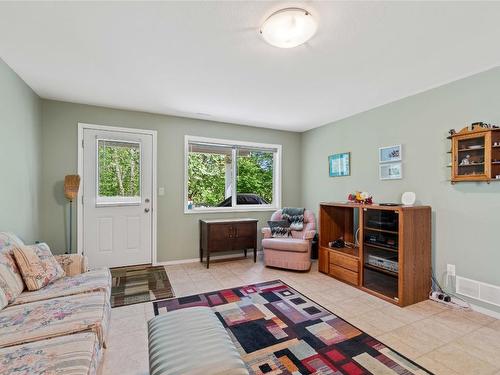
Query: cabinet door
{"points": [[245, 230], [471, 161], [220, 231]]}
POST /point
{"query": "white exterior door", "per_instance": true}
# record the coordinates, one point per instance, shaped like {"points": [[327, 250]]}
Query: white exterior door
{"points": [[117, 197]]}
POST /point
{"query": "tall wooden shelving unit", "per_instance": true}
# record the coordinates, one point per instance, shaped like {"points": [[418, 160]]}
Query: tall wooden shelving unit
{"points": [[393, 257]]}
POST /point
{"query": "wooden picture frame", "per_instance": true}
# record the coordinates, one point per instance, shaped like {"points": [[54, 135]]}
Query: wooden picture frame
{"points": [[339, 165]]}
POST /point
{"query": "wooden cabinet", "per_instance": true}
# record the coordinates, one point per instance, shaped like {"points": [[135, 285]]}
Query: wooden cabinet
{"points": [[386, 252], [475, 155], [227, 235]]}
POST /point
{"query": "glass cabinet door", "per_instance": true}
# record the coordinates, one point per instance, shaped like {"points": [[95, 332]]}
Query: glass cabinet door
{"points": [[381, 251], [470, 157]]}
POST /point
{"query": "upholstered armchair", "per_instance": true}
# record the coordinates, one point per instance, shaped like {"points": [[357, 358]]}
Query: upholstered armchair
{"points": [[292, 252]]}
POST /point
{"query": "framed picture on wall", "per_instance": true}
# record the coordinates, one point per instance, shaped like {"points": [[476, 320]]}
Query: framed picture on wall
{"points": [[340, 164], [390, 154], [391, 171]]}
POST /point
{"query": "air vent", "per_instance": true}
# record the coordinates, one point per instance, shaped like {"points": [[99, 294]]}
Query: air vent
{"points": [[478, 290]]}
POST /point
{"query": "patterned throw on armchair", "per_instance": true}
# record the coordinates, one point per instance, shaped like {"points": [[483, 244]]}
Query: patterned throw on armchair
{"points": [[293, 252]]}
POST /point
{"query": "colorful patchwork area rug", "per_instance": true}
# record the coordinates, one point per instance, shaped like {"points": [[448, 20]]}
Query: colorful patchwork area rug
{"points": [[279, 331], [138, 284]]}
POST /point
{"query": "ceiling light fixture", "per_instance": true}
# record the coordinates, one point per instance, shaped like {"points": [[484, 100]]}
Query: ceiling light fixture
{"points": [[288, 28]]}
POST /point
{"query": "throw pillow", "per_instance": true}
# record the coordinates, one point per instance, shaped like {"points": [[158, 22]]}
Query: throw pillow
{"points": [[279, 228], [37, 265], [11, 282], [8, 239]]}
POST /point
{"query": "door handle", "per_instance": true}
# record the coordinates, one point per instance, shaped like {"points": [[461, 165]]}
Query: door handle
{"points": [[146, 210]]}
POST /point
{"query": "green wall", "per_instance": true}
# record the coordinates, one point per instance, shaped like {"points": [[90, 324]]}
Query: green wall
{"points": [[466, 216], [177, 232], [20, 166]]}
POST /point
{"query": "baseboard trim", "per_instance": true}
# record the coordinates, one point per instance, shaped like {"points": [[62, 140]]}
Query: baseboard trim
{"points": [[194, 260], [485, 311]]}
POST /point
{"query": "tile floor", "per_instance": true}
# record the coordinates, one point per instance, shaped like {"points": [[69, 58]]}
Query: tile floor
{"points": [[442, 339]]}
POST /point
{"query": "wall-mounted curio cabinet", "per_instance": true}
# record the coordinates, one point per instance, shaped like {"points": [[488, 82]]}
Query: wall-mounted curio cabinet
{"points": [[475, 154]]}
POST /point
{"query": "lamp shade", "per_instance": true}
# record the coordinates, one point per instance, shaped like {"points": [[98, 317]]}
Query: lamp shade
{"points": [[71, 186]]}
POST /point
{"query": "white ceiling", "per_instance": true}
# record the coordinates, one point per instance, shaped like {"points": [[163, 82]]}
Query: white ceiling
{"points": [[207, 60]]}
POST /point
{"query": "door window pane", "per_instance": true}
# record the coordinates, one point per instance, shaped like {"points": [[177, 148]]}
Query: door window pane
{"points": [[119, 169]]}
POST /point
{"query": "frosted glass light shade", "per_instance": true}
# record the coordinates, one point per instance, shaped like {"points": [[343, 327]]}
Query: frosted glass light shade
{"points": [[288, 28]]}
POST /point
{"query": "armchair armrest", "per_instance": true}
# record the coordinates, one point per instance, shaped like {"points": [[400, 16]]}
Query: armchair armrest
{"points": [[72, 264], [309, 234], [266, 232]]}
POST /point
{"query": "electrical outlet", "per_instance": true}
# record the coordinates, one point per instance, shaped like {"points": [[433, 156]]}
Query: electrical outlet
{"points": [[450, 269], [161, 191]]}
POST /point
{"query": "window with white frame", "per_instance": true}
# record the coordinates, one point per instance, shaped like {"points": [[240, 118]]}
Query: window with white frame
{"points": [[224, 175]]}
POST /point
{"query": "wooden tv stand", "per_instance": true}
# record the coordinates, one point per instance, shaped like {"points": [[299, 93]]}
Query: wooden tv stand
{"points": [[393, 257]]}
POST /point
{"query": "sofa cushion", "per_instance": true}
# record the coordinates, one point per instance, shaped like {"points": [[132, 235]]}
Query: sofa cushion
{"points": [[11, 282], [286, 244], [91, 281], [55, 317], [72, 264], [37, 265], [192, 341], [9, 239], [77, 354]]}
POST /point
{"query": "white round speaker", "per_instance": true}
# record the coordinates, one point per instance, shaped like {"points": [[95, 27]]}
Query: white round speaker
{"points": [[408, 198]]}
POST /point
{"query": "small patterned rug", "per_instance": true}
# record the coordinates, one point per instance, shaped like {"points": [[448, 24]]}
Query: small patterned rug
{"points": [[279, 331], [138, 284]]}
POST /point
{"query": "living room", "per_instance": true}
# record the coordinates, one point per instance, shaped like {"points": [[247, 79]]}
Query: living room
{"points": [[312, 185]]}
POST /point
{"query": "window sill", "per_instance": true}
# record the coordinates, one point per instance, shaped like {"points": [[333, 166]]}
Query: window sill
{"points": [[229, 210]]}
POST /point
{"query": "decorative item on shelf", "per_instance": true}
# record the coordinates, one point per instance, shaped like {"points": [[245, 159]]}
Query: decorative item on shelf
{"points": [[408, 198], [452, 132], [360, 197], [338, 244], [71, 186], [340, 164], [479, 124], [466, 160]]}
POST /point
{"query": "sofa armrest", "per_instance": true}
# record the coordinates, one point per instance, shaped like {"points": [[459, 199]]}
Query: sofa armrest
{"points": [[266, 232], [72, 264], [309, 234]]}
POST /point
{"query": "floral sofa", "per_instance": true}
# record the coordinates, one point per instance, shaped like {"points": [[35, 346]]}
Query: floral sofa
{"points": [[60, 328]]}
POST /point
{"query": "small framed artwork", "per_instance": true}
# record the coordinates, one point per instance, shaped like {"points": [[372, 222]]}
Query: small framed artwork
{"points": [[340, 164], [391, 171], [390, 154]]}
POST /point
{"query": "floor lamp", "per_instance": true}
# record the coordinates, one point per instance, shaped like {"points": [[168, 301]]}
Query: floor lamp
{"points": [[71, 186]]}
